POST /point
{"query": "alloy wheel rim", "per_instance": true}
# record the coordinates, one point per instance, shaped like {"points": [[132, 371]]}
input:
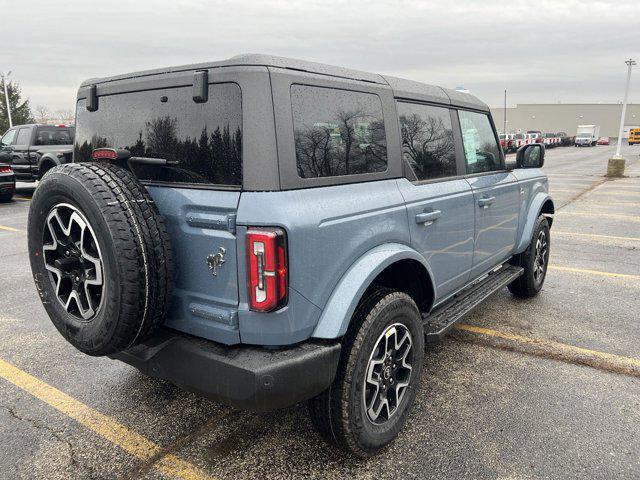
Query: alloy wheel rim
{"points": [[72, 257], [388, 374], [540, 262]]}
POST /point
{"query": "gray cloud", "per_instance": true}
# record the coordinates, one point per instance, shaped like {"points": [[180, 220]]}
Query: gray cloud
{"points": [[542, 51]]}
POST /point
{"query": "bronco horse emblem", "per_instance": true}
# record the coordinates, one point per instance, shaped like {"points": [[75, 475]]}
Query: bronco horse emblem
{"points": [[216, 260]]}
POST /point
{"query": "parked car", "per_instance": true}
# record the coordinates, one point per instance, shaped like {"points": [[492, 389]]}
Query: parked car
{"points": [[259, 231], [604, 141], [7, 183], [33, 150], [551, 139], [587, 135], [634, 136], [566, 140]]}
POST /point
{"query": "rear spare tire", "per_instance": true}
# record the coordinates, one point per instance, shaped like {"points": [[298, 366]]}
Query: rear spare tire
{"points": [[100, 256]]}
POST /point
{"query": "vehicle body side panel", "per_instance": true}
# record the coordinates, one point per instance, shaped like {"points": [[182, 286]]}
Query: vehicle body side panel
{"points": [[536, 192], [344, 300], [496, 223], [328, 229], [447, 242]]}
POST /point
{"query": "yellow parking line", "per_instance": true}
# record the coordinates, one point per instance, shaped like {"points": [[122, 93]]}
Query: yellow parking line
{"points": [[593, 235], [632, 218], [593, 272], [24, 199], [565, 352], [9, 229], [103, 425]]}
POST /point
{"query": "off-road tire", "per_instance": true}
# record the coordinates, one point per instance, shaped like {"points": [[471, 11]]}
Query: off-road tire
{"points": [[338, 414], [135, 249], [526, 285]]}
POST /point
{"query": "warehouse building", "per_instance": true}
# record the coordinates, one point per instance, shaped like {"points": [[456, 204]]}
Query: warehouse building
{"points": [[565, 117]]}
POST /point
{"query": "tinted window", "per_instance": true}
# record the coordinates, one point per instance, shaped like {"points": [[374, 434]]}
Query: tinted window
{"points": [[337, 132], [24, 136], [427, 140], [8, 137], [53, 136], [202, 141], [481, 149]]}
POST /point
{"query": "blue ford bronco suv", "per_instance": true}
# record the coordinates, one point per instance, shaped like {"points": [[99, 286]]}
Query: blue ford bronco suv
{"points": [[266, 231]]}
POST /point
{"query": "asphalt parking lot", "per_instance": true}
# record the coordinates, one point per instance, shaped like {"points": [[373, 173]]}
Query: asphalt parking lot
{"points": [[542, 388]]}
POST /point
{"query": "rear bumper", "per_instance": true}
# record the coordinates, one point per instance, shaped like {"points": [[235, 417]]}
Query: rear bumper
{"points": [[7, 183], [245, 377], [25, 173]]}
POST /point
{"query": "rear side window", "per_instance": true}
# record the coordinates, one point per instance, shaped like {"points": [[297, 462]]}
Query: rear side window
{"points": [[54, 136], [201, 141], [337, 132], [427, 140], [24, 136], [481, 149]]}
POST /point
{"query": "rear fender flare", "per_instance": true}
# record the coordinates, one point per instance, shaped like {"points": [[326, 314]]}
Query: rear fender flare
{"points": [[339, 309], [533, 213], [48, 159]]}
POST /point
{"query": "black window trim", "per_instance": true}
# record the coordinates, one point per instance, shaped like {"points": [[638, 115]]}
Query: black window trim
{"points": [[186, 185]]}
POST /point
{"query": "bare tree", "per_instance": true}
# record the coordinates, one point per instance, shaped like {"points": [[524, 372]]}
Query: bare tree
{"points": [[42, 114], [64, 115]]}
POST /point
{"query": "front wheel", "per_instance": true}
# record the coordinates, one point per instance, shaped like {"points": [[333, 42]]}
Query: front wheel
{"points": [[534, 260], [378, 376]]}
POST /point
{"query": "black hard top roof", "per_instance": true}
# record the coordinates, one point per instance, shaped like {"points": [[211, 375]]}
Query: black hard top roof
{"points": [[402, 88]]}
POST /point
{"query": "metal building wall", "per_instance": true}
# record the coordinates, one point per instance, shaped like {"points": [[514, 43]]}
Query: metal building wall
{"points": [[566, 117]]}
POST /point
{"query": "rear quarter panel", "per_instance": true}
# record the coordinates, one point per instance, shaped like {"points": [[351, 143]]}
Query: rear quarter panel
{"points": [[328, 229]]}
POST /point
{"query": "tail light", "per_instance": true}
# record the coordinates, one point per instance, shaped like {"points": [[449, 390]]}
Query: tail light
{"points": [[267, 268], [5, 169]]}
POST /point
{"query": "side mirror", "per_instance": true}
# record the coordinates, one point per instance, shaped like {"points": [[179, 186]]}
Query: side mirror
{"points": [[530, 156]]}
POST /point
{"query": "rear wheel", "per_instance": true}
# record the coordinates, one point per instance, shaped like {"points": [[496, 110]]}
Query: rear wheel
{"points": [[534, 260], [378, 376]]}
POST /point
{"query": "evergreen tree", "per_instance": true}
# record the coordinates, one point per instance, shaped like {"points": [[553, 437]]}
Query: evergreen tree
{"points": [[20, 110]]}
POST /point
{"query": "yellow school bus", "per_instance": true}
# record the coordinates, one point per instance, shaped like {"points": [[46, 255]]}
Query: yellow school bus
{"points": [[634, 136]]}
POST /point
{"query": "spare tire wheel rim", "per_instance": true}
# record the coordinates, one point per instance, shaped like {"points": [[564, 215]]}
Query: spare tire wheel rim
{"points": [[72, 257], [388, 374]]}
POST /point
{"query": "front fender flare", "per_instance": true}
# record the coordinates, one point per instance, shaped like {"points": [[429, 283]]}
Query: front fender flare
{"points": [[338, 311], [532, 215]]}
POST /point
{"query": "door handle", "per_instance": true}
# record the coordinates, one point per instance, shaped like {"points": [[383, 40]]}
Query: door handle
{"points": [[486, 201], [428, 216]]}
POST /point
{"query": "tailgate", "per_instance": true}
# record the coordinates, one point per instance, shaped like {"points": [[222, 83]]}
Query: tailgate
{"points": [[201, 225]]}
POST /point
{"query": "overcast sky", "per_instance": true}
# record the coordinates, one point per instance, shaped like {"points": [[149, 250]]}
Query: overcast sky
{"points": [[542, 51]]}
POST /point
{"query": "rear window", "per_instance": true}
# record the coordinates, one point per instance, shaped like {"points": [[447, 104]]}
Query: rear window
{"points": [[201, 141], [54, 136], [337, 132]]}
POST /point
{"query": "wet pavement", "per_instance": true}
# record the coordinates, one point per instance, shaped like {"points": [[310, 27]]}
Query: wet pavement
{"points": [[490, 406]]}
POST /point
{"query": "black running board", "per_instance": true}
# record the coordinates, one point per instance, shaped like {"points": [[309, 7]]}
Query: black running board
{"points": [[443, 318]]}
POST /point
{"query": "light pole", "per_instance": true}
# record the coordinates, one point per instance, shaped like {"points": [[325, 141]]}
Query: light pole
{"points": [[615, 167], [6, 97], [630, 64]]}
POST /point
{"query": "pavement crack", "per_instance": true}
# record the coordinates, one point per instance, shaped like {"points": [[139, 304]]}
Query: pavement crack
{"points": [[577, 196], [177, 445], [59, 436], [549, 349]]}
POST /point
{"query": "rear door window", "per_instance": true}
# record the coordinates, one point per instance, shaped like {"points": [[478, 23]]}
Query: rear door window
{"points": [[23, 137], [481, 149], [202, 142], [337, 132], [427, 140]]}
